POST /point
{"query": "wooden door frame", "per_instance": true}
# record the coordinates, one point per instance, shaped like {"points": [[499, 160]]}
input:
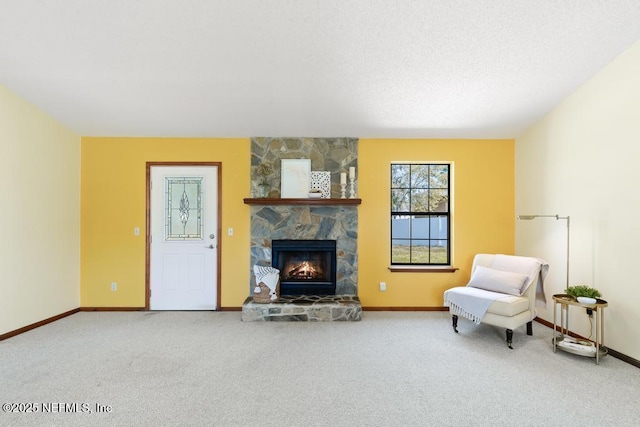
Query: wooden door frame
{"points": [[147, 274]]}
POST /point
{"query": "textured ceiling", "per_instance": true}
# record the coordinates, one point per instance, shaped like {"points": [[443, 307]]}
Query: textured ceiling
{"points": [[360, 68]]}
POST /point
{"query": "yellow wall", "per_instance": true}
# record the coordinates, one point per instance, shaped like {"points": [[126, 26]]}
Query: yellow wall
{"points": [[482, 209], [113, 204], [40, 215]]}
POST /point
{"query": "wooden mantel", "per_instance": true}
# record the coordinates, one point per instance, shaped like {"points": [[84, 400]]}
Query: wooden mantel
{"points": [[301, 202]]}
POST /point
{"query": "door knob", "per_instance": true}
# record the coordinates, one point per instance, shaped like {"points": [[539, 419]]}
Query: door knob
{"points": [[210, 247]]}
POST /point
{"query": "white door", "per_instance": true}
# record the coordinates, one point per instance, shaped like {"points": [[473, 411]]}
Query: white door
{"points": [[183, 248]]}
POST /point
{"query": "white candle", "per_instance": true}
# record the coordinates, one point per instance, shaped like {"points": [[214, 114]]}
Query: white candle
{"points": [[343, 178], [352, 172]]}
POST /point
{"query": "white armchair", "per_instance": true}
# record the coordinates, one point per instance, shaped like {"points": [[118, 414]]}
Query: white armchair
{"points": [[502, 291]]}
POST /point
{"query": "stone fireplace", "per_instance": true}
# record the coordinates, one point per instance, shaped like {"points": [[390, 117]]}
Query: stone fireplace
{"points": [[283, 222], [319, 278], [337, 223]]}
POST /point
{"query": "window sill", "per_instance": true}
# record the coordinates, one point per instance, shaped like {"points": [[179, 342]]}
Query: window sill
{"points": [[422, 269]]}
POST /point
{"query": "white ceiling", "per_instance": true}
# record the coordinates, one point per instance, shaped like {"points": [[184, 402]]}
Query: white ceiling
{"points": [[359, 68]]}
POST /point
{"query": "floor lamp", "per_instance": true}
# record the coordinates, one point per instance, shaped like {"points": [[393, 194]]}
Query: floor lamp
{"points": [[530, 217]]}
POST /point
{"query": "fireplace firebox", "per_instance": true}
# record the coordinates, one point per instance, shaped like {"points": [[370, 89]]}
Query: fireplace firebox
{"points": [[307, 267]]}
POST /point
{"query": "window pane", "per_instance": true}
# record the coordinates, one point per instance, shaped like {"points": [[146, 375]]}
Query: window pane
{"points": [[438, 252], [439, 176], [420, 252], [419, 200], [399, 176], [400, 200], [438, 227], [438, 201], [420, 176], [420, 227], [400, 252], [400, 227]]}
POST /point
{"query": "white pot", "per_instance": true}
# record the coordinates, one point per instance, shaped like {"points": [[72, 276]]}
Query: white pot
{"points": [[586, 300]]}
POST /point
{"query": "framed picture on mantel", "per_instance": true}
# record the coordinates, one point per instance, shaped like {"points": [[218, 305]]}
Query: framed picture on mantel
{"points": [[295, 178]]}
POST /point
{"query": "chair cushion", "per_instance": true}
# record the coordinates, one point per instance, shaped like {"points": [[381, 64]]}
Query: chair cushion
{"points": [[509, 306], [504, 282]]}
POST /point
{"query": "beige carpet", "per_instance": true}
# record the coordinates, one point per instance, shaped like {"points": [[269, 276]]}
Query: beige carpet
{"points": [[390, 369]]}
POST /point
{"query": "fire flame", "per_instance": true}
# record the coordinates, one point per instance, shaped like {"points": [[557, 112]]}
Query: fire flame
{"points": [[305, 270]]}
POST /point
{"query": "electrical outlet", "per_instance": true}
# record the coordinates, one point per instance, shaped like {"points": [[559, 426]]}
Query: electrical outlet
{"points": [[383, 286], [114, 286]]}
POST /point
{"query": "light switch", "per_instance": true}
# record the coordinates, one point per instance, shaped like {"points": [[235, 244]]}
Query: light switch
{"points": [[136, 231], [230, 231]]}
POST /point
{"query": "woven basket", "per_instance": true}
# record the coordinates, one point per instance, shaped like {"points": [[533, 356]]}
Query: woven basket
{"points": [[263, 297]]}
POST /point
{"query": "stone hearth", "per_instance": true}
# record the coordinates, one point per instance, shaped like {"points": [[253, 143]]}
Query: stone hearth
{"points": [[306, 308]]}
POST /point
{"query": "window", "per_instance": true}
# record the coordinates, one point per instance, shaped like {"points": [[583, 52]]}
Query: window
{"points": [[420, 221]]}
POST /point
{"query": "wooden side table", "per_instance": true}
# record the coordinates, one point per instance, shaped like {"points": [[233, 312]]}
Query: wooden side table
{"points": [[565, 301]]}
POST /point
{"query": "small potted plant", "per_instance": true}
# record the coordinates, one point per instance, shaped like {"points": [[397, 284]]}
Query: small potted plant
{"points": [[263, 171], [584, 294]]}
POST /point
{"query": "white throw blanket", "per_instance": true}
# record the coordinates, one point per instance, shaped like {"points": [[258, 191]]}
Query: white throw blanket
{"points": [[471, 303], [269, 276]]}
